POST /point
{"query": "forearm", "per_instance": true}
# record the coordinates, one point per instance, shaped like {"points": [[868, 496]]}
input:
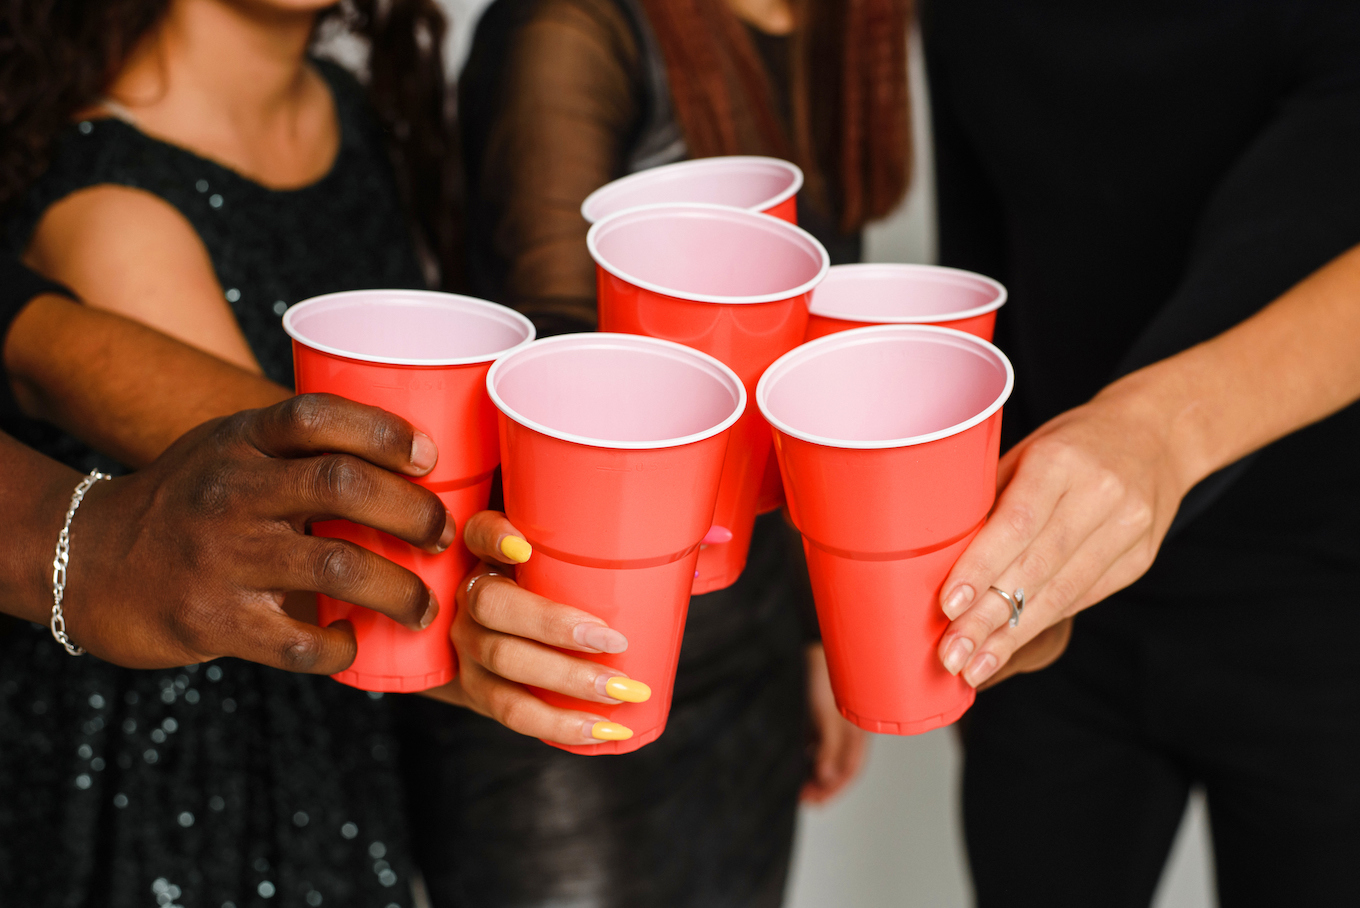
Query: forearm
{"points": [[33, 500], [118, 385], [1293, 363]]}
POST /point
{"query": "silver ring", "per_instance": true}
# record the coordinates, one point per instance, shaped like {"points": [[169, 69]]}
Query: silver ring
{"points": [[1016, 602], [472, 581]]}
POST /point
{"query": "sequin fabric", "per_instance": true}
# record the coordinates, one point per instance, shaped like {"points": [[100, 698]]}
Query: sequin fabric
{"points": [[225, 785]]}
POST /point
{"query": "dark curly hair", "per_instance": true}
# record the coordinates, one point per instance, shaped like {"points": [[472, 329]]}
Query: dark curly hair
{"points": [[59, 56]]}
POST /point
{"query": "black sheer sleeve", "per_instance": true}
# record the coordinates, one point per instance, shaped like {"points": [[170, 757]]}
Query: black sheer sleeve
{"points": [[549, 102]]}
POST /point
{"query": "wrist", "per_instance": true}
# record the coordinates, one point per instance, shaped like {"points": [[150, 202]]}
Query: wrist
{"points": [[27, 579], [91, 563], [1160, 406]]}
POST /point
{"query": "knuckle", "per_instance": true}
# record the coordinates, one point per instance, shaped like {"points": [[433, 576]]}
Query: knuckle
{"points": [[195, 627], [304, 415], [1110, 486], [1021, 520], [1056, 453], [510, 710], [416, 597], [582, 678], [386, 434], [212, 493], [488, 600], [335, 564], [339, 477], [232, 430], [494, 653], [299, 652], [435, 518], [1060, 592], [1137, 516], [1035, 565]]}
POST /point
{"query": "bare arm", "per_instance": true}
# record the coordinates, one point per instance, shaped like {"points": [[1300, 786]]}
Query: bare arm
{"points": [[1087, 499], [118, 385], [132, 253]]}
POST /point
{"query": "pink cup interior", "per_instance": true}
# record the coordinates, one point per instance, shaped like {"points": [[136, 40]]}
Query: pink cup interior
{"points": [[407, 327], [884, 386], [718, 254], [742, 182], [904, 293], [614, 390]]}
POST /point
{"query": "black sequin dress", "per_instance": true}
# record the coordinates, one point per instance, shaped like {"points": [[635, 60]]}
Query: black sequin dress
{"points": [[229, 784]]}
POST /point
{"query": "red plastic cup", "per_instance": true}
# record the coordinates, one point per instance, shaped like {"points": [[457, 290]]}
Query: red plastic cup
{"points": [[855, 296], [887, 439], [423, 356], [767, 185], [733, 284], [613, 449]]}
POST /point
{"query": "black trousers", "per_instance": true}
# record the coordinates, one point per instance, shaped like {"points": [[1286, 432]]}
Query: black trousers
{"points": [[1076, 777]]}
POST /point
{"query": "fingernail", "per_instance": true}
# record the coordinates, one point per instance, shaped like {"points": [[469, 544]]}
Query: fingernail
{"points": [[516, 549], [450, 531], [424, 452], [982, 668], [610, 731], [621, 688], [430, 611], [957, 654], [603, 639], [958, 601]]}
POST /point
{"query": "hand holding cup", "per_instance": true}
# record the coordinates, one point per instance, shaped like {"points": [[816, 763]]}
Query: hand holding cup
{"points": [[509, 639]]}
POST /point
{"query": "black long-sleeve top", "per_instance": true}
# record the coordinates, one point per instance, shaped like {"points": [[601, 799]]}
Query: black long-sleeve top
{"points": [[1143, 176]]}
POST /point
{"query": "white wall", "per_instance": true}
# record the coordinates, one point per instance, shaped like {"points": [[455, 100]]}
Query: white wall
{"points": [[894, 841]]}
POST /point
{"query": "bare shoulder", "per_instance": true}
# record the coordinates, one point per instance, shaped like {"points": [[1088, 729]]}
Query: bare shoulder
{"points": [[112, 244], [131, 252]]}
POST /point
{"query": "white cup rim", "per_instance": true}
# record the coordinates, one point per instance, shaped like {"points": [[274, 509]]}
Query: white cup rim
{"points": [[612, 338], [850, 271], [763, 221], [505, 313], [652, 173], [856, 336]]}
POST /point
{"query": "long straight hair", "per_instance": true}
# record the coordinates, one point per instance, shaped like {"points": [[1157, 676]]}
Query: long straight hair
{"points": [[59, 56], [849, 100]]}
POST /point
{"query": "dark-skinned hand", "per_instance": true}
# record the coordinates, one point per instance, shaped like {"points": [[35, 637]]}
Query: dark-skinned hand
{"points": [[190, 558]]}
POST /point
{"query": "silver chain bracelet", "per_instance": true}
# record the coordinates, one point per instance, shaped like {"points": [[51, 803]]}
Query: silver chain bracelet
{"points": [[63, 557]]}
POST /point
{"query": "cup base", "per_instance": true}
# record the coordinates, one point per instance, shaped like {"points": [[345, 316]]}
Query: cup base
{"points": [[917, 727], [395, 684], [704, 584], [607, 748]]}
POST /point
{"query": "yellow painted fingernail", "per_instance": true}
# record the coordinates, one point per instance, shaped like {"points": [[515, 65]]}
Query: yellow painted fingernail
{"points": [[628, 690], [516, 549], [610, 731]]}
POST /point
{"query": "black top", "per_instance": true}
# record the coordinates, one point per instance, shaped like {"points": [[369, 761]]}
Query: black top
{"points": [[18, 287], [229, 783], [1143, 176], [540, 131]]}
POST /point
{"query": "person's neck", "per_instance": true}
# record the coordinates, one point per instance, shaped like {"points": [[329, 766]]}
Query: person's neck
{"points": [[231, 81], [774, 17]]}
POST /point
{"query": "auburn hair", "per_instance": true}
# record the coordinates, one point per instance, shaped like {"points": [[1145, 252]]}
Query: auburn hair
{"points": [[58, 57], [850, 106]]}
